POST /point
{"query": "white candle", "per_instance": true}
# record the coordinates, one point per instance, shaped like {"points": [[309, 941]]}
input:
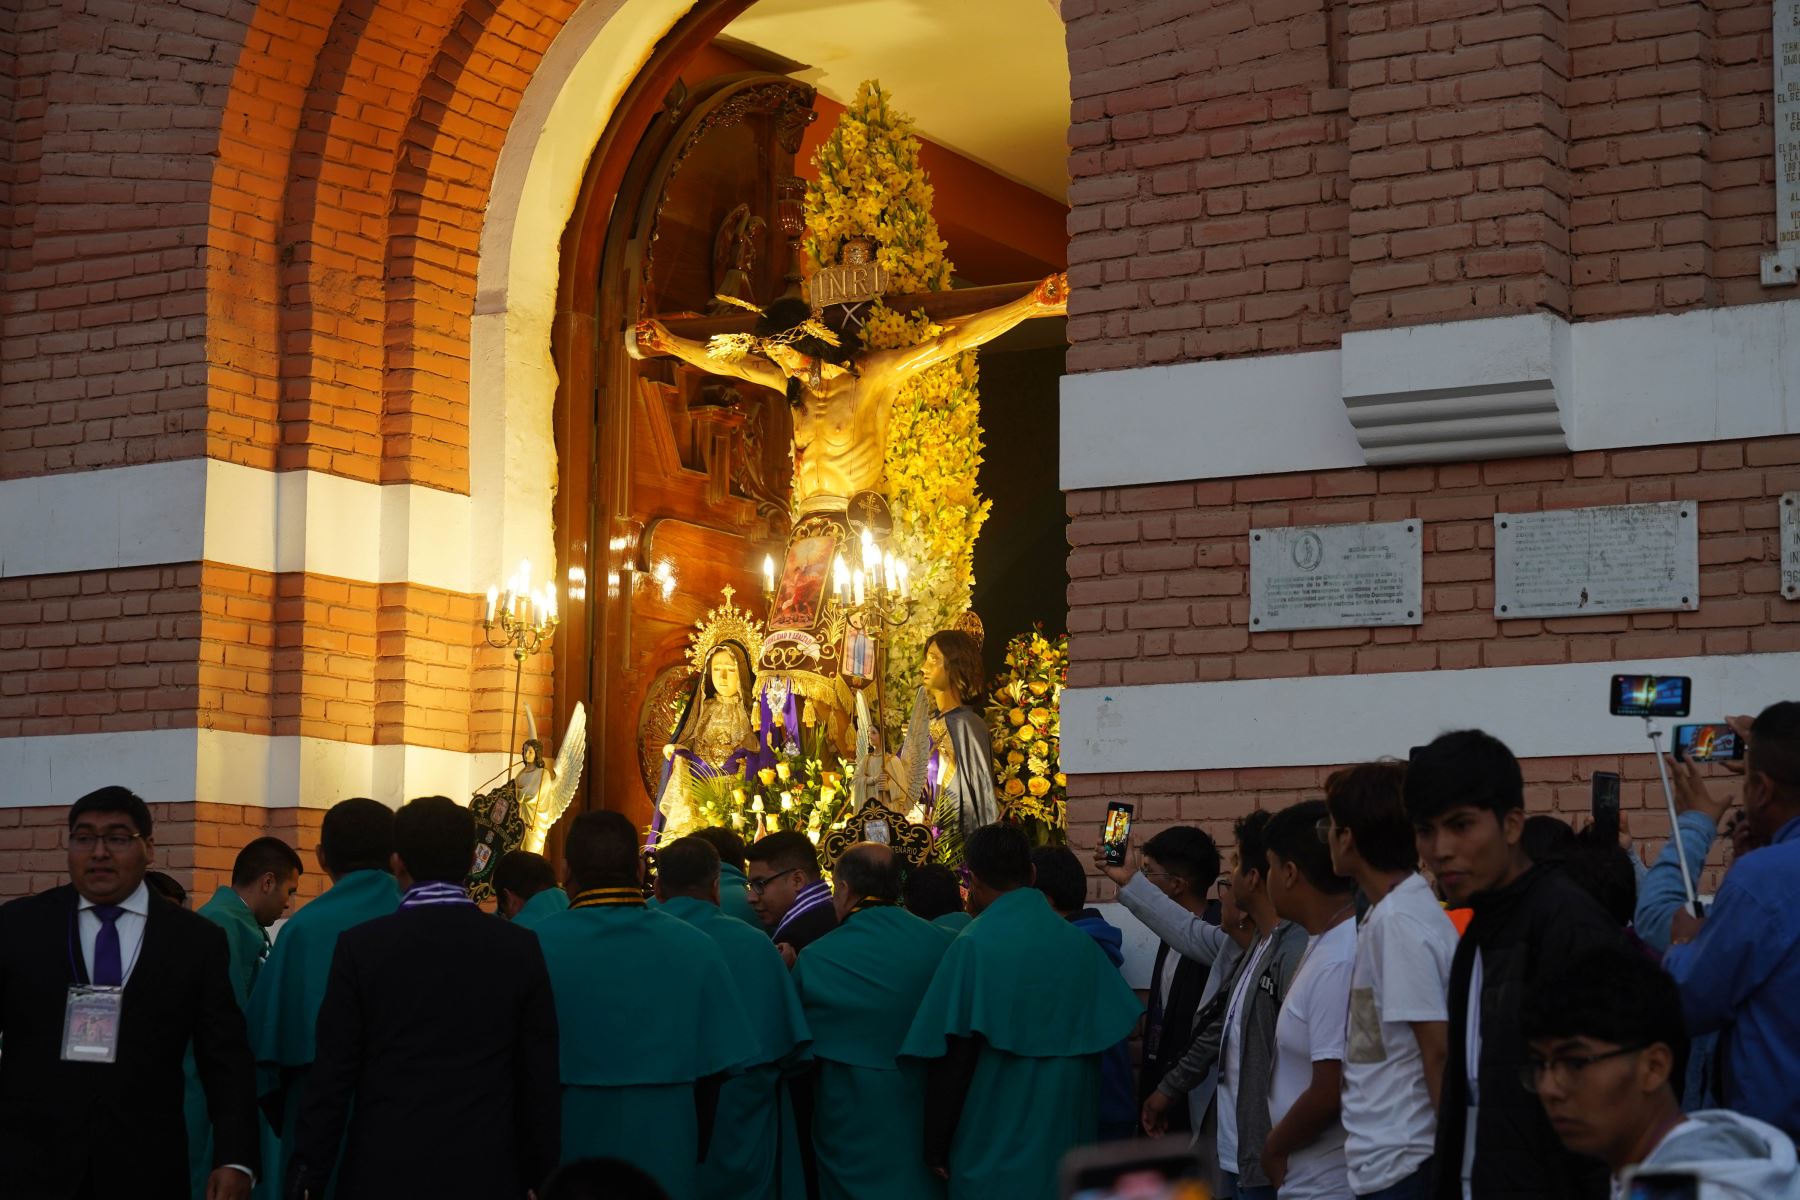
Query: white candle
{"points": [[857, 585], [493, 597], [768, 574], [900, 567], [843, 577], [868, 551]]}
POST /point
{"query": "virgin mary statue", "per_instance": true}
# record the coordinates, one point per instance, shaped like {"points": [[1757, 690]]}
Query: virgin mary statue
{"points": [[723, 730]]}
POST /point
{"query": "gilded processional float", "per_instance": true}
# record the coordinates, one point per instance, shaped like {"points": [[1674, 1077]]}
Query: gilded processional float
{"points": [[846, 704]]}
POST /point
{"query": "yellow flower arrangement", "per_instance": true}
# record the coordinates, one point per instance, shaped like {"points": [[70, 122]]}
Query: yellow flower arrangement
{"points": [[1025, 723], [870, 184]]}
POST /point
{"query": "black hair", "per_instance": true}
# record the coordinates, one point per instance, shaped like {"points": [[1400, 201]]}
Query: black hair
{"points": [[791, 311], [602, 849], [1253, 851], [1187, 853], [164, 885], [789, 850], [1602, 868], [265, 856], [356, 835], [1775, 746], [729, 845], [435, 837], [113, 799], [1060, 877], [1367, 800], [999, 856], [1611, 994], [1293, 836], [687, 864], [1467, 767], [1547, 839], [523, 873], [601, 1179], [932, 891], [869, 871]]}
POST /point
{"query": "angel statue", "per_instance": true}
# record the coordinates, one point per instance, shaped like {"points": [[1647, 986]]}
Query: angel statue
{"points": [[520, 813], [723, 729]]}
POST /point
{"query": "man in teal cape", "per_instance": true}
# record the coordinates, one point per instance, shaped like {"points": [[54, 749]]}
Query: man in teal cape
{"points": [[525, 890], [934, 893], [734, 884], [652, 1022], [754, 1153], [356, 842], [860, 985], [263, 882], [1014, 1024]]}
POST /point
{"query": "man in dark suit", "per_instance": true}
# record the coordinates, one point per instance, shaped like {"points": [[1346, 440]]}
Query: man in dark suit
{"points": [[436, 1041], [96, 1111], [788, 892]]}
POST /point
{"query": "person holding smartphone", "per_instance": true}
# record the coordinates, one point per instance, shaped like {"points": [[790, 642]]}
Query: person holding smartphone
{"points": [[1606, 1041]]}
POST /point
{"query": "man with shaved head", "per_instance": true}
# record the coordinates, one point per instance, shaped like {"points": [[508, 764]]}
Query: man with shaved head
{"points": [[860, 985]]}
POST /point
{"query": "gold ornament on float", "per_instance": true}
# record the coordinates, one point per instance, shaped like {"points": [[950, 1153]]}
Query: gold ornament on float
{"points": [[724, 623]]}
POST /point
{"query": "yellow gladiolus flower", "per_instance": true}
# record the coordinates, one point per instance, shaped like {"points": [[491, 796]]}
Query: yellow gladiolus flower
{"points": [[1014, 788]]}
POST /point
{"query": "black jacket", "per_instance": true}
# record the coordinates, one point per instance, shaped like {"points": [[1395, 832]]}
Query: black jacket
{"points": [[1168, 1030], [117, 1127], [1526, 932], [437, 1048], [808, 928]]}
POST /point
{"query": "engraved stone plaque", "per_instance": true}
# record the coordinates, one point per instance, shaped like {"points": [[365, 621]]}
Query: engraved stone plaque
{"points": [[1582, 561], [1335, 576], [1790, 545]]}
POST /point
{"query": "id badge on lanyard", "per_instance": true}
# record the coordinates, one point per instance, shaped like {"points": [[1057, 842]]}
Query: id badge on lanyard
{"points": [[91, 1024]]}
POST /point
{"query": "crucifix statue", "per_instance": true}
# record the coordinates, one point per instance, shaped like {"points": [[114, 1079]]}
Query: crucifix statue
{"points": [[842, 394]]}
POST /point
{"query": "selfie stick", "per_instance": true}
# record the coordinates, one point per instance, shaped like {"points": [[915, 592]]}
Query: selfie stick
{"points": [[1662, 771]]}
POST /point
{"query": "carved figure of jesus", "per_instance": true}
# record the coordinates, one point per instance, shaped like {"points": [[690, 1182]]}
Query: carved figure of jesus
{"points": [[841, 418]]}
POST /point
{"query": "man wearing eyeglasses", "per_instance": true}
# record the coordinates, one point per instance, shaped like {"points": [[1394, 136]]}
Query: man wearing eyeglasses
{"points": [[1606, 1042], [788, 893], [90, 1097]]}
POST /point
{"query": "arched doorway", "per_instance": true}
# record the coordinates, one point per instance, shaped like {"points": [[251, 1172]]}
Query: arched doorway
{"points": [[667, 481]]}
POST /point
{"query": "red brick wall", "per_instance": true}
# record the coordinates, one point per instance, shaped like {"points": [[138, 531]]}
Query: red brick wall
{"points": [[1159, 581], [244, 651], [1236, 192]]}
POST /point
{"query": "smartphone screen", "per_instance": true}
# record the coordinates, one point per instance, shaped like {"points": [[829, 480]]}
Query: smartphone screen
{"points": [[1118, 832], [1707, 743], [1664, 1185], [1606, 806], [1650, 695]]}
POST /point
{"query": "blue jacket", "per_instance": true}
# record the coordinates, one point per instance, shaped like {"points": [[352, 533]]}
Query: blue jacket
{"points": [[1742, 973], [1660, 892], [1118, 1099]]}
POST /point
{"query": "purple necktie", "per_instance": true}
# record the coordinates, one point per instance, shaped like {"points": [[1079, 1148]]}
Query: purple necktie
{"points": [[108, 971]]}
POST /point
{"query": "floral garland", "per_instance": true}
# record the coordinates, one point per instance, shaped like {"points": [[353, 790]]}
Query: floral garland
{"points": [[797, 793], [870, 184], [1025, 725]]}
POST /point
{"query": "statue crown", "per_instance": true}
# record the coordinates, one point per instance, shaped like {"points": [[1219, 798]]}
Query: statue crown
{"points": [[724, 623]]}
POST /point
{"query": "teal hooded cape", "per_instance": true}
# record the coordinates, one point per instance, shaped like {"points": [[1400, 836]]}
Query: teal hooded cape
{"points": [[248, 944], [861, 985], [284, 1003], [754, 1153], [1045, 1001], [550, 900], [645, 1006]]}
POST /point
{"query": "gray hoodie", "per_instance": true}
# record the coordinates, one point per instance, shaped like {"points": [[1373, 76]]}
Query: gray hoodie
{"points": [[1735, 1158]]}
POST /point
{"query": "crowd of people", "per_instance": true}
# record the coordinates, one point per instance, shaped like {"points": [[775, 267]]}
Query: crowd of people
{"points": [[1406, 988]]}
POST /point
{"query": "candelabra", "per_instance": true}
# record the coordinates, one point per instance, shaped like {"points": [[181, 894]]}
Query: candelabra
{"points": [[525, 620]]}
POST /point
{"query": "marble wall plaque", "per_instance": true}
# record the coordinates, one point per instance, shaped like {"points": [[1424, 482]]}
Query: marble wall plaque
{"points": [[1583, 561], [1335, 576], [1790, 545]]}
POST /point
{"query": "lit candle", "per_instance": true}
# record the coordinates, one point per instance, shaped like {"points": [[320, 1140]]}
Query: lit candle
{"points": [[856, 588], [900, 569], [768, 575], [888, 578], [868, 550], [843, 577], [493, 598], [550, 602]]}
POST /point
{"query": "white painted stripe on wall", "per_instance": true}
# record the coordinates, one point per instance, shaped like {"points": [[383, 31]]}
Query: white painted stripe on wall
{"points": [[1706, 375], [186, 765], [1540, 712], [238, 516]]}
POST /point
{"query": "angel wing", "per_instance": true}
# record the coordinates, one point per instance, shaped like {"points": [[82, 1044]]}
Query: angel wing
{"points": [[560, 783]]}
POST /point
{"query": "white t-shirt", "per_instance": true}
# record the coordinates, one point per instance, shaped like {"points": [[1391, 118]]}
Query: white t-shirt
{"points": [[1231, 1053], [1402, 974], [1311, 1029]]}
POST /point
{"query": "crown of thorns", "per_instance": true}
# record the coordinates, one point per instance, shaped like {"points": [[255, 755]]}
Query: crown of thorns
{"points": [[733, 346]]}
